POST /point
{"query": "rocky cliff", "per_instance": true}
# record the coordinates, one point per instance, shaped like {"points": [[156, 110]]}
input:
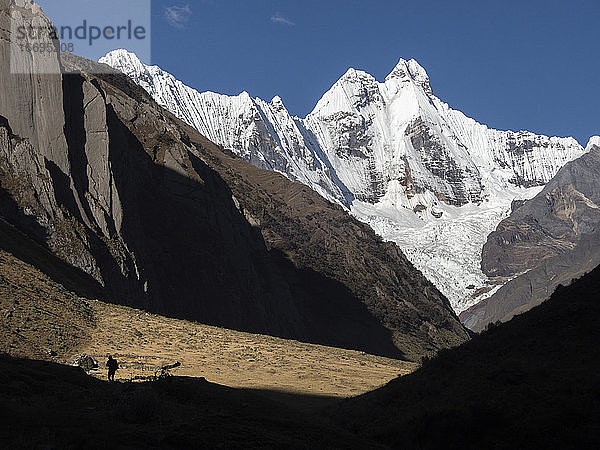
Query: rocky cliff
{"points": [[546, 241], [549, 224], [163, 219]]}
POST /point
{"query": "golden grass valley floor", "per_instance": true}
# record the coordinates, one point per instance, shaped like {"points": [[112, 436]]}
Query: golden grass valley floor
{"points": [[142, 342], [41, 319]]}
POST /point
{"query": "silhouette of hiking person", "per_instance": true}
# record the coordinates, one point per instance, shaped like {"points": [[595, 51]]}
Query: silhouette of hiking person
{"points": [[112, 365]]}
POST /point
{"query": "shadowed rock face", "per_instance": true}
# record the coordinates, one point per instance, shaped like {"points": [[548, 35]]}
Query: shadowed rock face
{"points": [[546, 241], [165, 220]]}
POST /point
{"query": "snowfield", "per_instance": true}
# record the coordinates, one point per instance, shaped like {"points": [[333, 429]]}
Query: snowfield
{"points": [[446, 250]]}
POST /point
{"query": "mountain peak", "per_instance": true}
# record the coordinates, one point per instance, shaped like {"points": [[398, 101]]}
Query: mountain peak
{"points": [[593, 142], [277, 105], [121, 53], [123, 60], [355, 75], [410, 70], [355, 89]]}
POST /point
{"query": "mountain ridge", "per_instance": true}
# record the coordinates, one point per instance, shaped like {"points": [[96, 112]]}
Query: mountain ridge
{"points": [[420, 173], [165, 220], [546, 241]]}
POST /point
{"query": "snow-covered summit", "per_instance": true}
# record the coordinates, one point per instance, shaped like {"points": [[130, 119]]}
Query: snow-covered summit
{"points": [[410, 70], [127, 62], [421, 173], [594, 141], [263, 133]]}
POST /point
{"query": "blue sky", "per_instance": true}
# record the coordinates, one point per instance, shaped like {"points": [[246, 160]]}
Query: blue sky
{"points": [[531, 64], [70, 16]]}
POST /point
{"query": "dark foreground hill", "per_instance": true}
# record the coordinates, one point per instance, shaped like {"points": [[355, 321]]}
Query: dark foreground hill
{"points": [[530, 383], [164, 220], [47, 405]]}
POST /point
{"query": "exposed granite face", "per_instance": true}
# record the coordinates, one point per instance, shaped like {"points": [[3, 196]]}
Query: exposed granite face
{"points": [[546, 241], [165, 220], [27, 191]]}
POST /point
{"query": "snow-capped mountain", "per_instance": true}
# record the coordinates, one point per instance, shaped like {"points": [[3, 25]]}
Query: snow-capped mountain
{"points": [[420, 173], [263, 133]]}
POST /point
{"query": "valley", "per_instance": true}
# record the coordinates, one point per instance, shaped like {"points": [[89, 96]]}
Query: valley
{"points": [[40, 319], [384, 272], [142, 342], [421, 174], [257, 391]]}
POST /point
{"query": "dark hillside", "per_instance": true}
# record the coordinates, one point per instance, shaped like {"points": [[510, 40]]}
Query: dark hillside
{"points": [[530, 383], [546, 241]]}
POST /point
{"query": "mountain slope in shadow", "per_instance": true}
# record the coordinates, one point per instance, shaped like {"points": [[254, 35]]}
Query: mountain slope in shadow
{"points": [[164, 220], [528, 383]]}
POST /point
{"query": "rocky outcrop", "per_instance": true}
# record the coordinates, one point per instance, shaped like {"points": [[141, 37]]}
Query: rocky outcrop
{"points": [[535, 286], [163, 219], [86, 362], [546, 241]]}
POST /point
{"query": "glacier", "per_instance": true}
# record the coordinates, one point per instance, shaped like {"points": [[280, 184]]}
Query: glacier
{"points": [[420, 173]]}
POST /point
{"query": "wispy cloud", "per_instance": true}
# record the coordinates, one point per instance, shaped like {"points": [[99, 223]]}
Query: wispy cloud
{"points": [[177, 16], [282, 20]]}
